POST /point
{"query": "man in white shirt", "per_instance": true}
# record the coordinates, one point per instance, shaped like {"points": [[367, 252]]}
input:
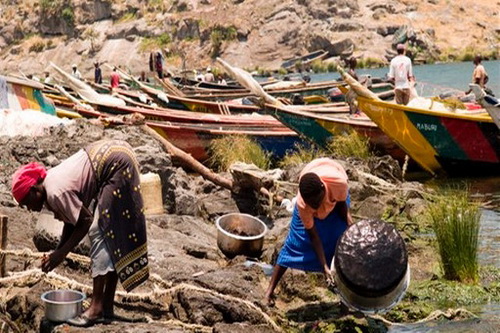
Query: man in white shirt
{"points": [[76, 73], [209, 77], [401, 72]]}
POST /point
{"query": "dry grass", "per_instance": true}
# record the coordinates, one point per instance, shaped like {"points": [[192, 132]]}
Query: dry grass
{"points": [[350, 145], [237, 148], [301, 154]]}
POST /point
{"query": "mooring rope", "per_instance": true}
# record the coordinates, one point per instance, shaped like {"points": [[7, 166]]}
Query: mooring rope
{"points": [[448, 314], [34, 276]]}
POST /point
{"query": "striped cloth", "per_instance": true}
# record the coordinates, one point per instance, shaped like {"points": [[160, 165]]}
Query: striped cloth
{"points": [[298, 252]]}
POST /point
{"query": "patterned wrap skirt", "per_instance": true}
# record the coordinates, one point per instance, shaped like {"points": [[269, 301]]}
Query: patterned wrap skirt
{"points": [[298, 252], [120, 209]]}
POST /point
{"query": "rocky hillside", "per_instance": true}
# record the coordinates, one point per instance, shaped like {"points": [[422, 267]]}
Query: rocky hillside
{"points": [[248, 33]]}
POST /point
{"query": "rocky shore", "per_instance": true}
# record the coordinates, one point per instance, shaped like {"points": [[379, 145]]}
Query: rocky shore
{"points": [[193, 286], [251, 34]]}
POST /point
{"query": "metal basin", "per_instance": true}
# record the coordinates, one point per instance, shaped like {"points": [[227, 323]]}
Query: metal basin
{"points": [[61, 305], [240, 234]]}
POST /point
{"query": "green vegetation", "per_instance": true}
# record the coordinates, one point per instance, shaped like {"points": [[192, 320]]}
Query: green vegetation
{"points": [[220, 34], [282, 71], [92, 36], [370, 63], [127, 17], [68, 15], [60, 7], [455, 221], [156, 5], [350, 145], [318, 66], [37, 46], [153, 43], [425, 296], [237, 148], [301, 154]]}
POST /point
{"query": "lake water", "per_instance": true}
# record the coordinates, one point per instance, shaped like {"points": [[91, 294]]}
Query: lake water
{"points": [[437, 78]]}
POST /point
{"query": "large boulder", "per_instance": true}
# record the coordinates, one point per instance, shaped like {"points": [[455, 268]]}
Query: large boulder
{"points": [[90, 11], [343, 47], [188, 29]]}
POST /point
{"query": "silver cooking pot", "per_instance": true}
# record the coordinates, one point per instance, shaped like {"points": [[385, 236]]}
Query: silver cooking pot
{"points": [[61, 305], [240, 234]]}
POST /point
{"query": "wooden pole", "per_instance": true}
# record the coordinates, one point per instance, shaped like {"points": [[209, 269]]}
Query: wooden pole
{"points": [[3, 243]]}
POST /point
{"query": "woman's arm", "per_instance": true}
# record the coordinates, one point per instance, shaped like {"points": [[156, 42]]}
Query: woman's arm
{"points": [[80, 230], [66, 233]]}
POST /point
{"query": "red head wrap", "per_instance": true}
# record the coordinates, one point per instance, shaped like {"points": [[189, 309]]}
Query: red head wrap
{"points": [[25, 177]]}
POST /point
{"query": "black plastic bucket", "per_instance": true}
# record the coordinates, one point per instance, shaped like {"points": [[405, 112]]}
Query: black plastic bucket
{"points": [[371, 266]]}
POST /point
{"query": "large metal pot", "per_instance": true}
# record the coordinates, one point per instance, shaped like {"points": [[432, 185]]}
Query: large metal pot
{"points": [[240, 234], [61, 305]]}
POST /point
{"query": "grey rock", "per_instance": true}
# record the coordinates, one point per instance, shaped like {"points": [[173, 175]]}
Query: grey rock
{"points": [[48, 233], [231, 328], [347, 26], [387, 30], [188, 29], [415, 207], [135, 28], [386, 168]]}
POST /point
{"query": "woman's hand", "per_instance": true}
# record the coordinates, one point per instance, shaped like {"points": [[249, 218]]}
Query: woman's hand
{"points": [[53, 260], [329, 277]]}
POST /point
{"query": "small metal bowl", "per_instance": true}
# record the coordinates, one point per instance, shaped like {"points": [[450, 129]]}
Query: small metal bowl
{"points": [[61, 305], [240, 234]]}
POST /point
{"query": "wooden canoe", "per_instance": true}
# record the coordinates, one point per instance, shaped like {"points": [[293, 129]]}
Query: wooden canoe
{"points": [[323, 128], [439, 141]]}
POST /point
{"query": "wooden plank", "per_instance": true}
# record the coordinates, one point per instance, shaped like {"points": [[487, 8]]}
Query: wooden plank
{"points": [[3, 243]]}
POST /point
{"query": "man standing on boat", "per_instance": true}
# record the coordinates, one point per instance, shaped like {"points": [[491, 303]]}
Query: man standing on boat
{"points": [[97, 73], [115, 79], [75, 72], [401, 72]]}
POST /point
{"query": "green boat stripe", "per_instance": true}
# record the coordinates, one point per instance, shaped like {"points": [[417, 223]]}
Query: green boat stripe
{"points": [[305, 126], [437, 135]]}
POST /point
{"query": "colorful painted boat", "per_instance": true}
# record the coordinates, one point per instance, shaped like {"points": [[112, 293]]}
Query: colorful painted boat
{"points": [[194, 132], [456, 143], [309, 89], [196, 139], [322, 128], [172, 115], [18, 94]]}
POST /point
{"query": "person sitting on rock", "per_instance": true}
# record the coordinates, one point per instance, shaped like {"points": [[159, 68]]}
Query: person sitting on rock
{"points": [[320, 216], [104, 175]]}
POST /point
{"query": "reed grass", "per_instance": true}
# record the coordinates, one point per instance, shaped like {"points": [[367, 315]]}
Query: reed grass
{"points": [[350, 144], [237, 148], [301, 154], [455, 221]]}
